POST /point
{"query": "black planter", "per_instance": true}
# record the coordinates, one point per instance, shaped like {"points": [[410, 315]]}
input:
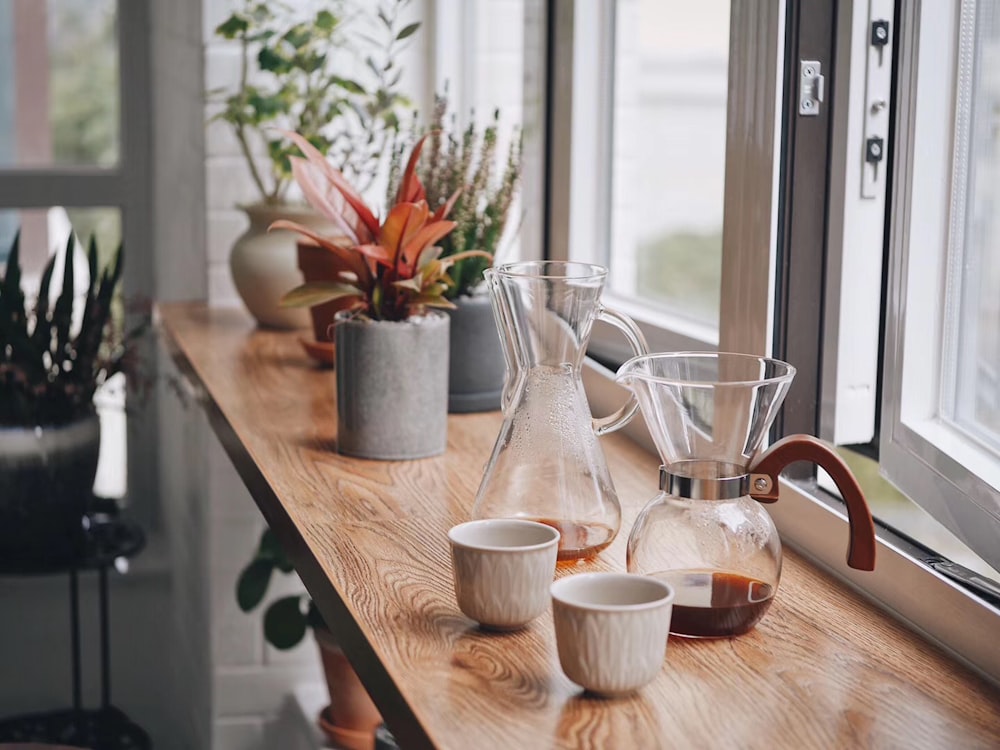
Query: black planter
{"points": [[476, 372], [46, 483]]}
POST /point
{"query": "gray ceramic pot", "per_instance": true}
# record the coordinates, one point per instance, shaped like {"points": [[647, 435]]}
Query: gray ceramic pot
{"points": [[476, 373], [46, 482], [392, 386]]}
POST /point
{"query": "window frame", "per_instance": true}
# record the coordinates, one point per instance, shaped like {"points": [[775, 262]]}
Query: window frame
{"points": [[922, 453], [126, 186]]}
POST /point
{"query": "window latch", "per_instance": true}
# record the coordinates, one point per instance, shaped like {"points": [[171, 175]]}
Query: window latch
{"points": [[811, 87], [878, 87]]}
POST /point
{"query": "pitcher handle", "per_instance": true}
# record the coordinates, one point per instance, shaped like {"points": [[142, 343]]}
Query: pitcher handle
{"points": [[764, 488], [626, 325]]}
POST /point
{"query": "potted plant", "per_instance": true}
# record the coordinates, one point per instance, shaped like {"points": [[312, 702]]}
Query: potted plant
{"points": [[292, 77], [53, 357], [351, 718], [392, 343], [466, 163]]}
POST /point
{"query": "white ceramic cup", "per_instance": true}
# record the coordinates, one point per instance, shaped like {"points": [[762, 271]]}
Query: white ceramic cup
{"points": [[611, 629], [503, 569]]}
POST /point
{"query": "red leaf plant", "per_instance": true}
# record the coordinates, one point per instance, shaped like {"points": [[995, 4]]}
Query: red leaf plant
{"points": [[394, 269]]}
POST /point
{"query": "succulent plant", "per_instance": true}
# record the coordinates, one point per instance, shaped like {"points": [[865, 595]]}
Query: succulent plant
{"points": [[394, 269], [49, 367]]}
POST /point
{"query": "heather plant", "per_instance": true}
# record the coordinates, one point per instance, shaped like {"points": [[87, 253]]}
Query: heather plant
{"points": [[465, 163], [49, 367]]}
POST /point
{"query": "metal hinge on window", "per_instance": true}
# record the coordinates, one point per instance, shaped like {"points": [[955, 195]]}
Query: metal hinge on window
{"points": [[811, 87]]}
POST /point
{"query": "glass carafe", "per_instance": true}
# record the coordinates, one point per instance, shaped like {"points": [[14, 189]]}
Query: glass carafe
{"points": [[547, 464], [706, 532]]}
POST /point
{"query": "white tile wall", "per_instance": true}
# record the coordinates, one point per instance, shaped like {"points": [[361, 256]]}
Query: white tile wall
{"points": [[257, 691], [238, 734], [221, 291], [224, 226]]}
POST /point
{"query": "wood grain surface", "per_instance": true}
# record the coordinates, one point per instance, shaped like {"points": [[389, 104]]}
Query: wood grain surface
{"points": [[823, 669]]}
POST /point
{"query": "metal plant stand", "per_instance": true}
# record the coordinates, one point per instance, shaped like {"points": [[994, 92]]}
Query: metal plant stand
{"points": [[107, 540]]}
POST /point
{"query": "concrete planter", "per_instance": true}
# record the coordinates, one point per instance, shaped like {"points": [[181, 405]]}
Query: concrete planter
{"points": [[476, 372], [392, 386]]}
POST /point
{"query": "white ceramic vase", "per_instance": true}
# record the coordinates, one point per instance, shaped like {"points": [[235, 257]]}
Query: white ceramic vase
{"points": [[264, 265]]}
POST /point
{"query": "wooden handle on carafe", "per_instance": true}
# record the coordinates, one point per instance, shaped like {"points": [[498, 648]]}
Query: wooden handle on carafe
{"points": [[788, 450]]}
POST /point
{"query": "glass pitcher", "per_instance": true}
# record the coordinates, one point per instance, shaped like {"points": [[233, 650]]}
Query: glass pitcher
{"points": [[547, 464], [706, 533]]}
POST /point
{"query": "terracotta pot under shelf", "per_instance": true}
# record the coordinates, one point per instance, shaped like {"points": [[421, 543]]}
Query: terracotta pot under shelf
{"points": [[351, 719], [319, 264]]}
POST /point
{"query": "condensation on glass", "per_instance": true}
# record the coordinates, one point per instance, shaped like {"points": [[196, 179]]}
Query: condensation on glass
{"points": [[59, 84], [668, 154]]}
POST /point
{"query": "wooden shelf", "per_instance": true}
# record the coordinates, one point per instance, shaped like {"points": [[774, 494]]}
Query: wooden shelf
{"points": [[823, 669]]}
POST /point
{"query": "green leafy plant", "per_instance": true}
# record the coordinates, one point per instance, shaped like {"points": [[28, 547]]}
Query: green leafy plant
{"points": [[50, 366], [465, 164], [393, 269], [286, 619], [298, 83]]}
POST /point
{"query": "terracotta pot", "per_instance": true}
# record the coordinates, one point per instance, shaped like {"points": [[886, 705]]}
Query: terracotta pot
{"points": [[351, 711], [318, 264], [345, 739], [263, 264]]}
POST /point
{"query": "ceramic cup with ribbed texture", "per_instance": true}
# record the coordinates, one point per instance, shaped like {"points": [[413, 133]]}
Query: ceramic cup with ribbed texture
{"points": [[503, 569], [611, 629]]}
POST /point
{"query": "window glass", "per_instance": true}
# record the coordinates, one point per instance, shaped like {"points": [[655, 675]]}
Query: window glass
{"points": [[43, 230], [669, 147], [59, 98], [977, 364]]}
